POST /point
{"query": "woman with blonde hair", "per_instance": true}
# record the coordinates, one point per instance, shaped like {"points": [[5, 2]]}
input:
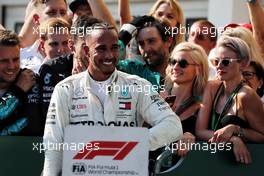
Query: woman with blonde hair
{"points": [[231, 111], [172, 11], [187, 77]]}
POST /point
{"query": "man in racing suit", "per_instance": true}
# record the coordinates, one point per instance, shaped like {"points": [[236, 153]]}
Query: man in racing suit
{"points": [[106, 97]]}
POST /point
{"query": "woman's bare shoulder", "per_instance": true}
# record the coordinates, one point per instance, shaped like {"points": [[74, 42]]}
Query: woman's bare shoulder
{"points": [[212, 85], [247, 94]]}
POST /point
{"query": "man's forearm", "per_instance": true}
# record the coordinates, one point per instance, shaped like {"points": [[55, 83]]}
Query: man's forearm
{"points": [[101, 11]]}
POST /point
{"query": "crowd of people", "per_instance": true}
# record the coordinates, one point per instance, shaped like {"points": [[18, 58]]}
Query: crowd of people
{"points": [[206, 87]]}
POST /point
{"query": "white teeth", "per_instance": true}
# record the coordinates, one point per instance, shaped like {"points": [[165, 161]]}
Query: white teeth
{"points": [[10, 73], [108, 63]]}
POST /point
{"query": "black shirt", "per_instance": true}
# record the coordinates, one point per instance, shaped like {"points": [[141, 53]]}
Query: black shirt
{"points": [[52, 72]]}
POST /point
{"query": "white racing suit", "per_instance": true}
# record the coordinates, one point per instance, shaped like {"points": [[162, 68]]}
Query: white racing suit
{"points": [[129, 102]]}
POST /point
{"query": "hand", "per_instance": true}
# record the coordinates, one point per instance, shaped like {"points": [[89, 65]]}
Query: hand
{"points": [[129, 30], [224, 134], [26, 79], [163, 93], [32, 11], [30, 7], [185, 144], [240, 150], [141, 20]]}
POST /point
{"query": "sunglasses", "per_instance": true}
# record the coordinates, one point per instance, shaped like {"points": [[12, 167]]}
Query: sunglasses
{"points": [[225, 61], [248, 75], [182, 63]]}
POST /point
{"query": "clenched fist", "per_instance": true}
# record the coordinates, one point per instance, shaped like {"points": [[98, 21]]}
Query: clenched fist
{"points": [[26, 79]]}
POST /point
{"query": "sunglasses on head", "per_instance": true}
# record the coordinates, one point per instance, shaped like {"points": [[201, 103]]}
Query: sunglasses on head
{"points": [[182, 63], [248, 75], [225, 61]]}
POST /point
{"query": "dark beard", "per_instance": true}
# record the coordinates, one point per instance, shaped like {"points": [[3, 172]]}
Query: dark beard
{"points": [[157, 62]]}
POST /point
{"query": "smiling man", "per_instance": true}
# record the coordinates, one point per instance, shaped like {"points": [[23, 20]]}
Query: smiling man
{"points": [[95, 91], [154, 47], [19, 108]]}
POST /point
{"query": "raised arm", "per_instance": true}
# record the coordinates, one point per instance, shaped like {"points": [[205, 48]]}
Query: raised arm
{"points": [[100, 10], [124, 11], [29, 31], [255, 14]]}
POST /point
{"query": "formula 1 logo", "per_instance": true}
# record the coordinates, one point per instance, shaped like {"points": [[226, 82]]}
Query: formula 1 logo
{"points": [[117, 149]]}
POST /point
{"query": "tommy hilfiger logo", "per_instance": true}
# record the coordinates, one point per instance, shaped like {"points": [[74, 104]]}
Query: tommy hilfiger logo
{"points": [[125, 105], [117, 149]]}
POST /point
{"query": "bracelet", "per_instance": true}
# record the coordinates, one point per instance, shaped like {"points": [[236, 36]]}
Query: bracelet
{"points": [[241, 134]]}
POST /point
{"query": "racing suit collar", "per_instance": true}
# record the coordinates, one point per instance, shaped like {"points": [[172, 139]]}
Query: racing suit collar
{"points": [[113, 81]]}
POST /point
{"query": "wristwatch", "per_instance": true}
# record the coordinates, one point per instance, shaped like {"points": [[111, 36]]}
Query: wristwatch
{"points": [[251, 1]]}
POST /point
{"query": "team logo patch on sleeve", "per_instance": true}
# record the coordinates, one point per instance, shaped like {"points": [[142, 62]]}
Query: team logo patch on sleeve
{"points": [[125, 105]]}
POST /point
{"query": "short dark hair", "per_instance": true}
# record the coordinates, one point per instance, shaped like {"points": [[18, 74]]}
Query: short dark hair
{"points": [[75, 4], [8, 38], [83, 22], [98, 26], [259, 71], [162, 28]]}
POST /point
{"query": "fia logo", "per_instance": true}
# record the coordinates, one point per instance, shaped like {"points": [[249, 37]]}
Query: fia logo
{"points": [[79, 168]]}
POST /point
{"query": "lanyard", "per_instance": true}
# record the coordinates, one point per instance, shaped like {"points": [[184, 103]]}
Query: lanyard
{"points": [[226, 106]]}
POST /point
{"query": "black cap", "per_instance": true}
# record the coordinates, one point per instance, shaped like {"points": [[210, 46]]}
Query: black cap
{"points": [[76, 3]]}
